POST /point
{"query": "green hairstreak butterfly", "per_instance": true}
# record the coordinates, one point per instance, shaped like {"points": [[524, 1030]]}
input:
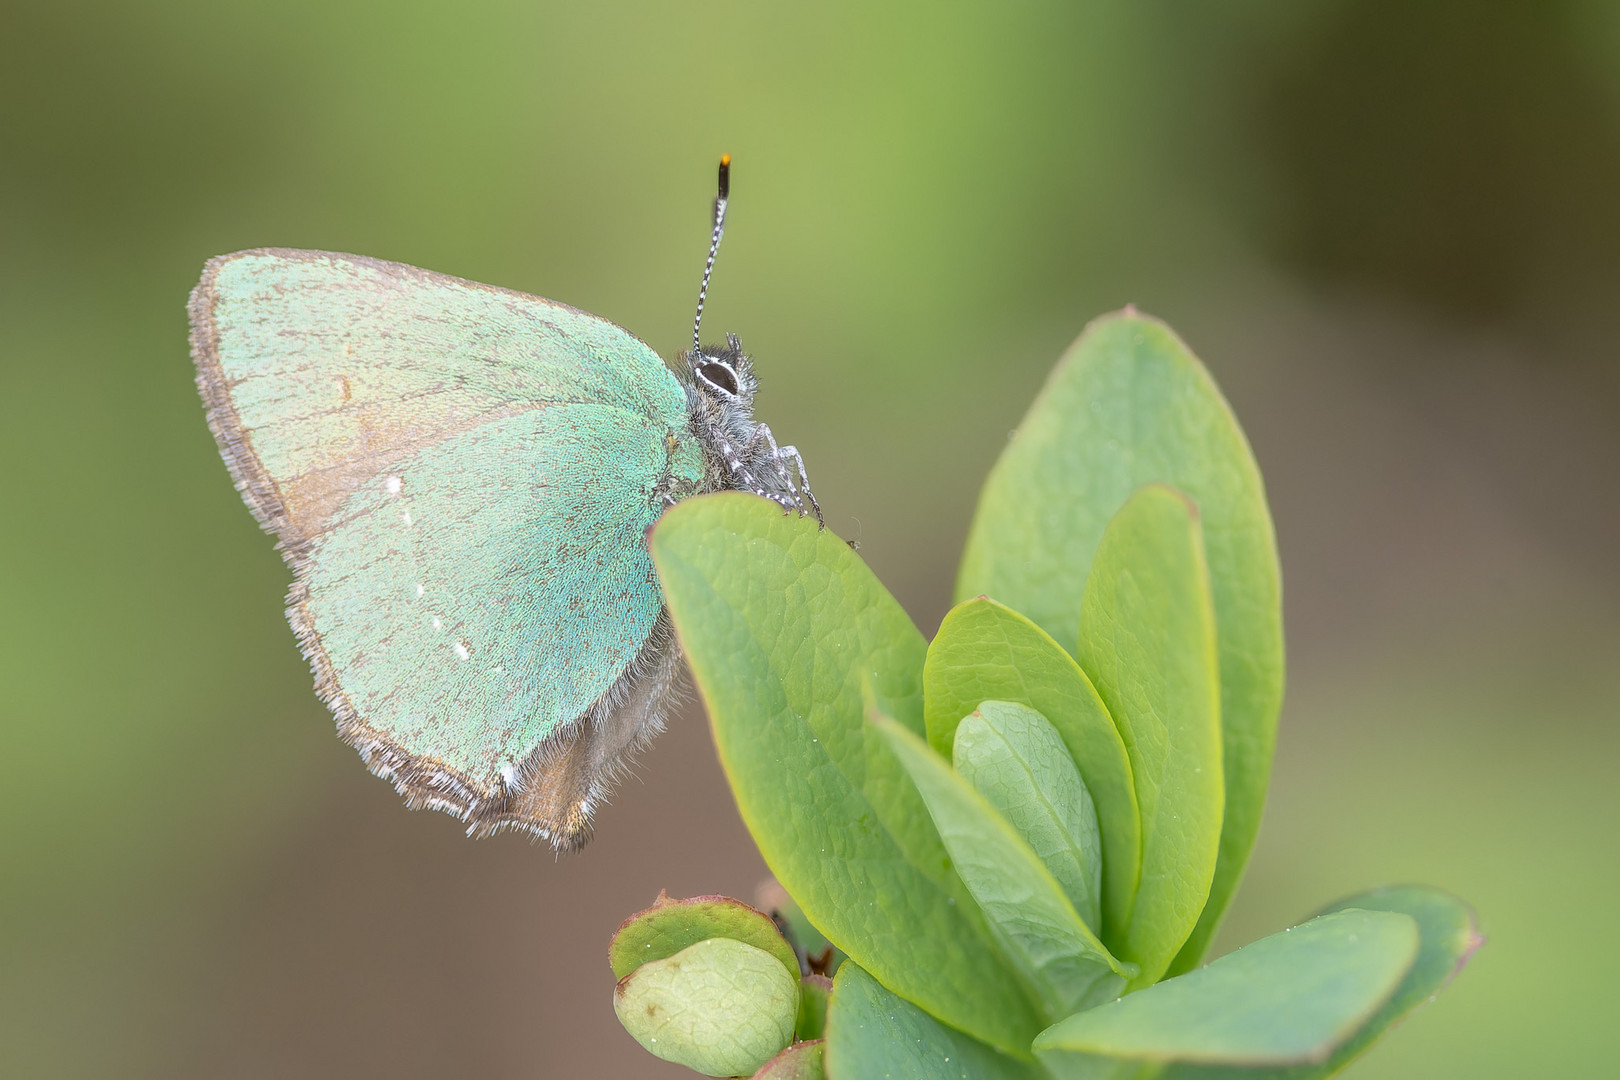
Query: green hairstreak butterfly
{"points": [[462, 478]]}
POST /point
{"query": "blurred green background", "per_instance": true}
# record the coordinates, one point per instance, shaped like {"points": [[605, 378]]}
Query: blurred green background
{"points": [[1389, 228]]}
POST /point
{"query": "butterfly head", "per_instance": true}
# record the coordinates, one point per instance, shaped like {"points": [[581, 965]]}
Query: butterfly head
{"points": [[720, 387], [739, 453], [724, 375]]}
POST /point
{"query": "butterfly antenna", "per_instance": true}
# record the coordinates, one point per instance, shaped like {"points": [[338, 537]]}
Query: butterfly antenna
{"points": [[714, 244]]}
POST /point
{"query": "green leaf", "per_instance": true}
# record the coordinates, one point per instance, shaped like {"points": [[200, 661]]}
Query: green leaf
{"points": [[813, 993], [801, 1061], [671, 925], [1289, 998], [1129, 405], [1060, 958], [782, 626], [873, 1033], [985, 651], [1147, 636], [721, 1007], [1449, 935], [1012, 756]]}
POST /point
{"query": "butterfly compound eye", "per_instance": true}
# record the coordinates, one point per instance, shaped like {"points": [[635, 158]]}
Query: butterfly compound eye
{"points": [[719, 376]]}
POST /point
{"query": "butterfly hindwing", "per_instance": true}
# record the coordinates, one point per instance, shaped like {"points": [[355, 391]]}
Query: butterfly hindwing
{"points": [[461, 478]]}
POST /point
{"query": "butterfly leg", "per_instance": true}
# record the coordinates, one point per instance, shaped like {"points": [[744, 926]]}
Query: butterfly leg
{"points": [[676, 490], [762, 438], [779, 456], [743, 476], [804, 481]]}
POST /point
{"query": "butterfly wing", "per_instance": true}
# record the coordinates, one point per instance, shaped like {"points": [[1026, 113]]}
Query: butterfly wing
{"points": [[461, 478]]}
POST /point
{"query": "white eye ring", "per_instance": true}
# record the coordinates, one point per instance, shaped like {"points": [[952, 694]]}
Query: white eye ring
{"points": [[719, 375]]}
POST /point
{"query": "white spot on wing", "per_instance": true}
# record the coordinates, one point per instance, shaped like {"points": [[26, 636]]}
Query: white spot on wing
{"points": [[420, 588], [509, 774], [405, 516], [438, 624], [394, 483], [462, 650]]}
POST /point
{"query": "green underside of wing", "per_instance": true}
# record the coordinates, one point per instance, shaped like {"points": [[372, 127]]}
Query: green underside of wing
{"points": [[490, 588], [464, 477], [332, 359]]}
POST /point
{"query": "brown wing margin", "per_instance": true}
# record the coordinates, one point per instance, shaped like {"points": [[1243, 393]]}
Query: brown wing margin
{"points": [[258, 489]]}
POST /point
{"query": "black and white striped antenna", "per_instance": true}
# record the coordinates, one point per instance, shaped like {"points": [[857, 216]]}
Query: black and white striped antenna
{"points": [[714, 244]]}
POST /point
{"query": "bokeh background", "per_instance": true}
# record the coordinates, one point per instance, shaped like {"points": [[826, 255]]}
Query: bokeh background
{"points": [[1390, 228]]}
